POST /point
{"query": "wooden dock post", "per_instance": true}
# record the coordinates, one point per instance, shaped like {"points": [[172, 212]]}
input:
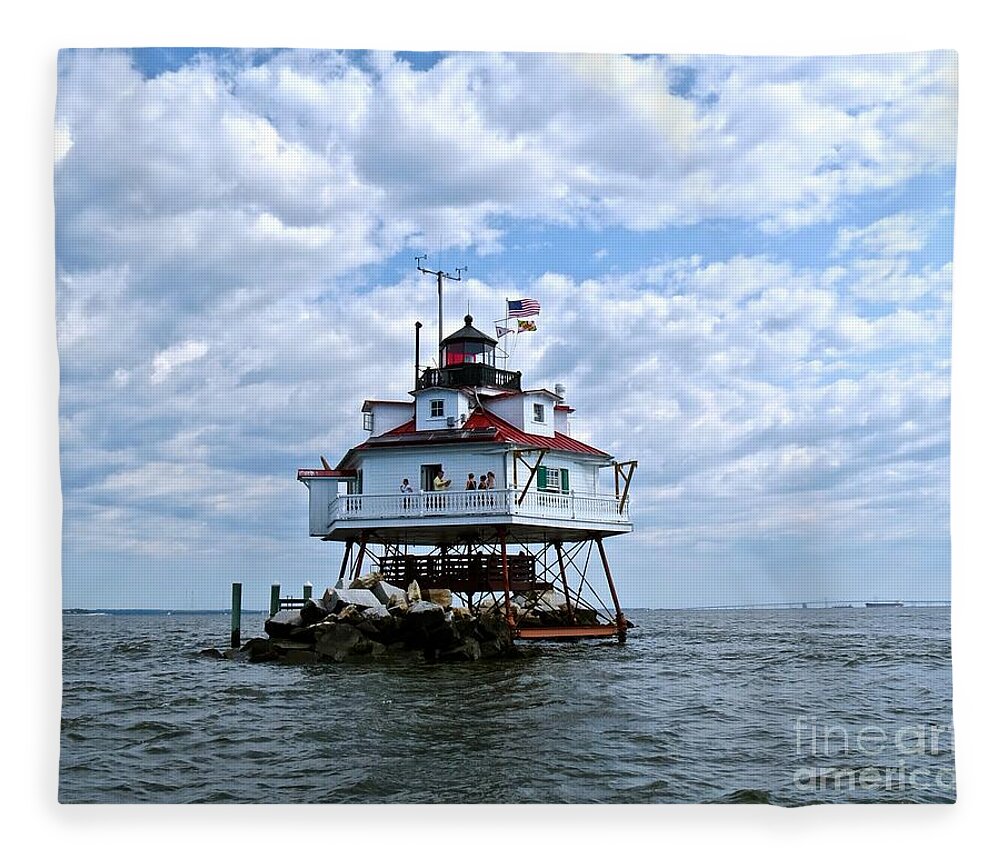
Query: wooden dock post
{"points": [[234, 639], [307, 591], [275, 597]]}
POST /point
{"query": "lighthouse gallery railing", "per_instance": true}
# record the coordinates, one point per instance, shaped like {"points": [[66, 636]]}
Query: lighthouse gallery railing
{"points": [[559, 506]]}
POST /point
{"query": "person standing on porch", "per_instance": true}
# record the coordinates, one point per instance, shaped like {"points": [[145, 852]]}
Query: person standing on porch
{"points": [[440, 485]]}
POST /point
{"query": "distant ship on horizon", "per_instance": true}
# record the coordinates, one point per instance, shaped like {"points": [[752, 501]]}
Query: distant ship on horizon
{"points": [[883, 604]]}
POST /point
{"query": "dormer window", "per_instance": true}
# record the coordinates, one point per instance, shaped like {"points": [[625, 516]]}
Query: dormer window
{"points": [[539, 413], [437, 409], [368, 419]]}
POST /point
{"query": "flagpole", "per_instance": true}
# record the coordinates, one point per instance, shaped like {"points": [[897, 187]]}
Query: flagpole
{"points": [[506, 311]]}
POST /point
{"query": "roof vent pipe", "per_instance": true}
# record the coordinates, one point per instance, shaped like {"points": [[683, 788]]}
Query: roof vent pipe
{"points": [[416, 359]]}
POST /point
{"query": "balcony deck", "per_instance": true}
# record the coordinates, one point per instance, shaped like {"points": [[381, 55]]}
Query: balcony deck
{"points": [[472, 375], [434, 518]]}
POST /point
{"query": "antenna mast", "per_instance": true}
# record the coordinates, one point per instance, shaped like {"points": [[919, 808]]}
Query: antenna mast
{"points": [[441, 277]]}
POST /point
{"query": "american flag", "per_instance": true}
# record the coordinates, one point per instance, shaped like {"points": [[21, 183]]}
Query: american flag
{"points": [[522, 308]]}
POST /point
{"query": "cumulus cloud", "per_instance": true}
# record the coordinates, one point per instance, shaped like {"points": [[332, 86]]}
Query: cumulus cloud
{"points": [[894, 235], [378, 157], [220, 319], [182, 353], [766, 392]]}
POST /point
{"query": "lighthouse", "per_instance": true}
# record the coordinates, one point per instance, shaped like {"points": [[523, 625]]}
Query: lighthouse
{"points": [[474, 484]]}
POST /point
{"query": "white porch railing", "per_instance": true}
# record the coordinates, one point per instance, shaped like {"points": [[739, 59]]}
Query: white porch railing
{"points": [[556, 506]]}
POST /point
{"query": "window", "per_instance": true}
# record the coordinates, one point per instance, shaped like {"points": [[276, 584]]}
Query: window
{"points": [[553, 480], [369, 421], [539, 409], [437, 409]]}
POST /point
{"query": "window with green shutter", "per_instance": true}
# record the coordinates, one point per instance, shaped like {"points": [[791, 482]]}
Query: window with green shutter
{"points": [[553, 480]]}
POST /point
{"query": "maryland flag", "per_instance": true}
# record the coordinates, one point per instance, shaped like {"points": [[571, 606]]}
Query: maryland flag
{"points": [[526, 325]]}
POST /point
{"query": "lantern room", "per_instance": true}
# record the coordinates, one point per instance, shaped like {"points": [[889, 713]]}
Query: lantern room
{"points": [[468, 359], [469, 346]]}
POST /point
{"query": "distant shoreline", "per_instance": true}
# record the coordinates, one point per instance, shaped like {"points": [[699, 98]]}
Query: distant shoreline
{"points": [[157, 611], [858, 607]]}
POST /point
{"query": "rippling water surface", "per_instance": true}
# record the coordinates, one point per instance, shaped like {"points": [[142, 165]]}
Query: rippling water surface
{"points": [[787, 707]]}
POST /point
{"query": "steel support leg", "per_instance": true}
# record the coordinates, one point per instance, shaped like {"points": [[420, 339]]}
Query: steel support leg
{"points": [[506, 578], [565, 584], [361, 555], [343, 564], [619, 615]]}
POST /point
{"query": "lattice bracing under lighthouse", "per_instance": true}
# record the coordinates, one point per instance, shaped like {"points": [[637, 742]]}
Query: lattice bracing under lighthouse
{"points": [[476, 485]]}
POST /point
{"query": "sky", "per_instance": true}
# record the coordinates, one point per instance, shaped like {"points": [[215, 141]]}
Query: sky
{"points": [[744, 266]]}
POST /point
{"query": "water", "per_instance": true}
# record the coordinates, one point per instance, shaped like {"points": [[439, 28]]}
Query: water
{"points": [[787, 707]]}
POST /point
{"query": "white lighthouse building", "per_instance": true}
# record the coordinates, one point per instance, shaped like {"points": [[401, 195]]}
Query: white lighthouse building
{"points": [[521, 523]]}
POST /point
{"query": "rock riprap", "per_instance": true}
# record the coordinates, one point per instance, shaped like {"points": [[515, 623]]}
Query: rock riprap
{"points": [[373, 619]]}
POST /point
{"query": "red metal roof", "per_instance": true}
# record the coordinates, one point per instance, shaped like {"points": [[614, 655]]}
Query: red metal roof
{"points": [[327, 473], [477, 429], [509, 433]]}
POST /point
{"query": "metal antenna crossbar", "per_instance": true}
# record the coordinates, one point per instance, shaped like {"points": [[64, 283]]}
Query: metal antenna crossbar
{"points": [[441, 276]]}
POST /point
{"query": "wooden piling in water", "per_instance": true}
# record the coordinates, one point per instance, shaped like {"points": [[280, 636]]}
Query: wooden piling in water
{"points": [[234, 639], [275, 597], [307, 591]]}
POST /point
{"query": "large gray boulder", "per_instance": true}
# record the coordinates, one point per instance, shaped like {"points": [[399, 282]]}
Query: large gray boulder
{"points": [[462, 621], [425, 626], [425, 615], [494, 635], [440, 596], [313, 611], [550, 603], [306, 635], [379, 624], [366, 580], [339, 642], [398, 606], [259, 650], [350, 614], [281, 624], [338, 598], [384, 592]]}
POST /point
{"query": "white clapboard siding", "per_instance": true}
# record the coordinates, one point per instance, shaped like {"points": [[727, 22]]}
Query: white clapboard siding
{"points": [[383, 471], [558, 507]]}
